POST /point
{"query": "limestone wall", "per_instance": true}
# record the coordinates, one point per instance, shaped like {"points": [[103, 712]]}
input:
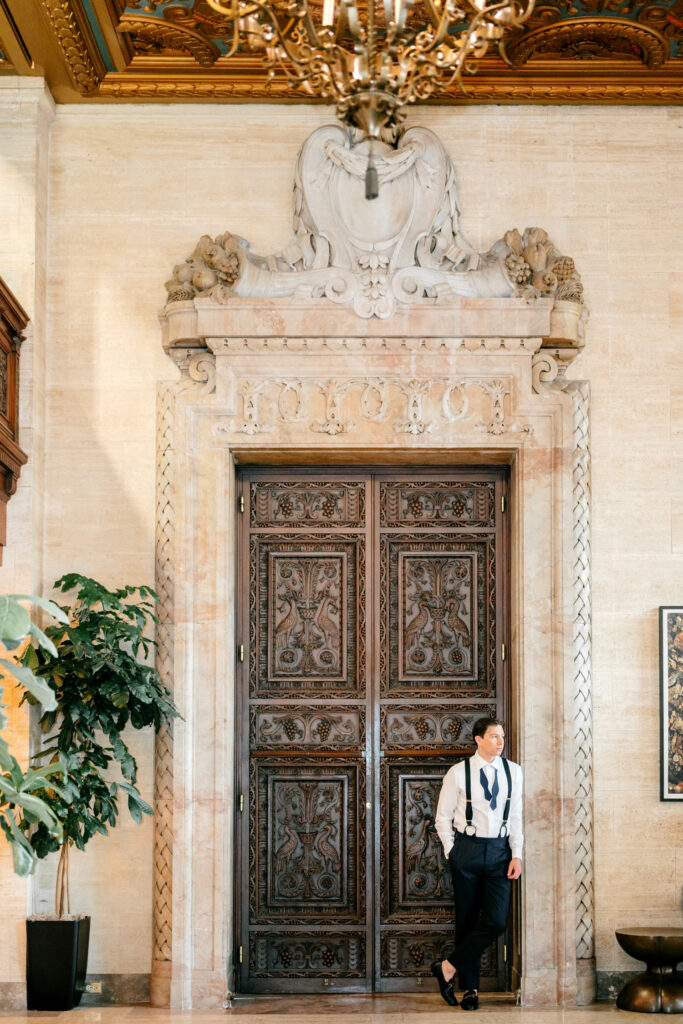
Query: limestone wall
{"points": [[26, 111], [131, 189]]}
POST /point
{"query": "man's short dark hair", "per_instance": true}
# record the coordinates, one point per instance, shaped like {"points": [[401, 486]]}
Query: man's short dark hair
{"points": [[482, 724]]}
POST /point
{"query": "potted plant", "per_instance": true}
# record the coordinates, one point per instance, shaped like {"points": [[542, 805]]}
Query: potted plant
{"points": [[21, 801], [103, 684]]}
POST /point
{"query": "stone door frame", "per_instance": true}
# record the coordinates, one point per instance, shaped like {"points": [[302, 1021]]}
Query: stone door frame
{"points": [[286, 382]]}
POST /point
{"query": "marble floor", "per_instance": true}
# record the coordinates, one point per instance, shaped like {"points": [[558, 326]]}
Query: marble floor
{"points": [[385, 1009]]}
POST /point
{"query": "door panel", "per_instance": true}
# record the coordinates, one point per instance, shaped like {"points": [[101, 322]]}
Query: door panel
{"points": [[305, 922], [373, 606], [437, 544]]}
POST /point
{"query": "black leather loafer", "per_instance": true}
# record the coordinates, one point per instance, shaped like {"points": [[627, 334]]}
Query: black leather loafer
{"points": [[470, 1001], [445, 987]]}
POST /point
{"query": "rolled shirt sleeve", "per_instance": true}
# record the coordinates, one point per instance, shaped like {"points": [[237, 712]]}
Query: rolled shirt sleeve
{"points": [[515, 819]]}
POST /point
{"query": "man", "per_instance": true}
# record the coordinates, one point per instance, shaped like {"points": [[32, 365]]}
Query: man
{"points": [[479, 821]]}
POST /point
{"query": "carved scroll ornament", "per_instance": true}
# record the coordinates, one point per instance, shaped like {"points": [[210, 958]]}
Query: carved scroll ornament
{"points": [[404, 247]]}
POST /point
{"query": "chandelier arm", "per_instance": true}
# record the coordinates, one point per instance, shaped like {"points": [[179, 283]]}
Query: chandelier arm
{"points": [[406, 8], [351, 11], [238, 9], [302, 69], [235, 42], [342, 24], [371, 39]]}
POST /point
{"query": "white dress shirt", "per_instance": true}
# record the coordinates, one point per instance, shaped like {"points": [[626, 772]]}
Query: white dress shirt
{"points": [[450, 811]]}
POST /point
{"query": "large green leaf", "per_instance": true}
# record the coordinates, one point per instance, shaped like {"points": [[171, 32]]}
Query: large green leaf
{"points": [[48, 606], [37, 808], [23, 857], [34, 684], [14, 622], [6, 759], [42, 639]]}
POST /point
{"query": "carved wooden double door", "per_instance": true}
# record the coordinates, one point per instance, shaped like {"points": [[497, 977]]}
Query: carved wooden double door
{"points": [[370, 631]]}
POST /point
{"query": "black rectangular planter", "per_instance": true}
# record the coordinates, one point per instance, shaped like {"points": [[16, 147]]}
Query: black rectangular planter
{"points": [[56, 962]]}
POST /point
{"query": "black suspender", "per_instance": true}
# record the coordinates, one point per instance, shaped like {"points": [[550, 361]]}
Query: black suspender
{"points": [[470, 830], [469, 827], [504, 831]]}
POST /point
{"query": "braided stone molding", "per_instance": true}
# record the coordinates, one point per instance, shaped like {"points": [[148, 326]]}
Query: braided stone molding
{"points": [[548, 376], [198, 372], [583, 682], [163, 773], [73, 46]]}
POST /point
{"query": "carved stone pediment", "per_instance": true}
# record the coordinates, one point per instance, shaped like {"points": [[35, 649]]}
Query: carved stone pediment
{"points": [[380, 258]]}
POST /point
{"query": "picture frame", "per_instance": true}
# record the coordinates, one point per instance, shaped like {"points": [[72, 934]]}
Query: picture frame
{"points": [[671, 701]]}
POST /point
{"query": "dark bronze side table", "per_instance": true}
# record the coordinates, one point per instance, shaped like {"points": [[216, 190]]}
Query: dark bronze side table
{"points": [[660, 988]]}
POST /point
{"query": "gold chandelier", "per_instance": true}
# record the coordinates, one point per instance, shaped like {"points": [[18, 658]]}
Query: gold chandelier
{"points": [[373, 67]]}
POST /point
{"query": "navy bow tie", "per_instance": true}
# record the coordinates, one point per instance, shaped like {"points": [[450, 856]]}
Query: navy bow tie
{"points": [[490, 796]]}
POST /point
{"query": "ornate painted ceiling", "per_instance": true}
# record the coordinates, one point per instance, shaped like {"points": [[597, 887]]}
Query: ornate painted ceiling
{"points": [[593, 51]]}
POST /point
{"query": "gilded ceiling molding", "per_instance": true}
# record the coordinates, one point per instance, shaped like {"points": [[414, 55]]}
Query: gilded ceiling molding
{"points": [[82, 68], [590, 38], [133, 85], [511, 90], [156, 35]]}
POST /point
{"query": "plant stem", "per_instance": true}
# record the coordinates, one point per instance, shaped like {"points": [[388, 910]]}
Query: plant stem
{"points": [[62, 887]]}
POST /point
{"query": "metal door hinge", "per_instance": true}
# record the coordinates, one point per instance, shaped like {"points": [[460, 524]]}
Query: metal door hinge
{"points": [[502, 503], [241, 803], [505, 954], [241, 503], [240, 652], [502, 652], [241, 954]]}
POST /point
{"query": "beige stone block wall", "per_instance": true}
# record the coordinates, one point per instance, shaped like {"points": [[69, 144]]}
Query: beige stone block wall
{"points": [[26, 111], [132, 188]]}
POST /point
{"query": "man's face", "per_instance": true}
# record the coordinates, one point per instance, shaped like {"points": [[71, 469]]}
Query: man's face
{"points": [[491, 744]]}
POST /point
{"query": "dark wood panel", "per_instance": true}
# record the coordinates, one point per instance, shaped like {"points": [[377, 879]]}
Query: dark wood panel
{"points": [[308, 826], [439, 549], [373, 604]]}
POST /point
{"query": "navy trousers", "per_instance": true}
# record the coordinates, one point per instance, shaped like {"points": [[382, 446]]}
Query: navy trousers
{"points": [[482, 900]]}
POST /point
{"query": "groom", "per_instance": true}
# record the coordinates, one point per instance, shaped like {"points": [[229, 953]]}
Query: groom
{"points": [[479, 821]]}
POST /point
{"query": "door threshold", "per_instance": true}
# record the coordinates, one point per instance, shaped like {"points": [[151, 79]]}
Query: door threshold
{"points": [[371, 1002]]}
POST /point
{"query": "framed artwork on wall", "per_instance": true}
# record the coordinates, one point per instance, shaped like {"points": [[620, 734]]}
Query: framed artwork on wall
{"points": [[671, 702]]}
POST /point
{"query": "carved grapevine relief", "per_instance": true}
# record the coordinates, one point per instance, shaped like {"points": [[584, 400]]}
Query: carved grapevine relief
{"points": [[293, 955], [412, 504], [301, 504], [290, 726], [411, 954], [430, 724]]}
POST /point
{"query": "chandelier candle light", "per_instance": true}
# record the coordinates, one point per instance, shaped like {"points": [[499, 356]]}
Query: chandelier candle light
{"points": [[372, 70]]}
